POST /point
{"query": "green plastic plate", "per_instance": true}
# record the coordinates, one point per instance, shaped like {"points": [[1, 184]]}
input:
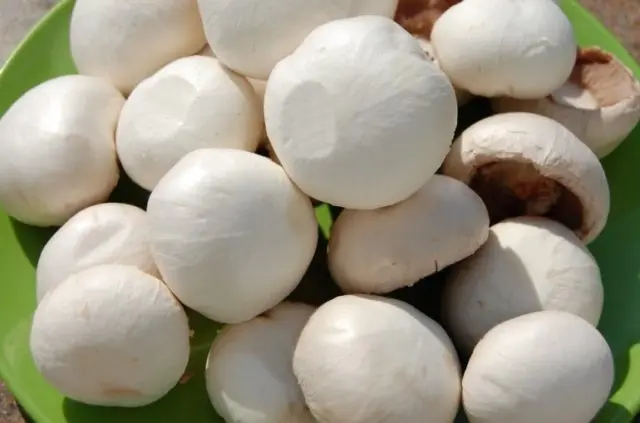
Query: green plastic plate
{"points": [[45, 54]]}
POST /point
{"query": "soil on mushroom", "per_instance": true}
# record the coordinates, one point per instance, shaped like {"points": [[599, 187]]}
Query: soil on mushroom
{"points": [[512, 189], [418, 16]]}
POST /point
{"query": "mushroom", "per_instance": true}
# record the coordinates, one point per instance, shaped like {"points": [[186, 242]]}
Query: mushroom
{"points": [[111, 335], [547, 366], [194, 102], [378, 251], [231, 234], [600, 103], [57, 152], [527, 164], [479, 50], [363, 359], [528, 264], [251, 36], [249, 372], [127, 41], [381, 112], [108, 233]]}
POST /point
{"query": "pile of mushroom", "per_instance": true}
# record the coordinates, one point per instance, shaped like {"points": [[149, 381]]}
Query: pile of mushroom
{"points": [[238, 116]]}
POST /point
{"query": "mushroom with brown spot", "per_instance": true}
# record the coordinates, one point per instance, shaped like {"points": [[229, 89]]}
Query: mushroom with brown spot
{"points": [[599, 103], [527, 164]]}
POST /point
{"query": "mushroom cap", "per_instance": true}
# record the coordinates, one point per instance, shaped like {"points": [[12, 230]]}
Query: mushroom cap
{"points": [[249, 371], [543, 143], [600, 103], [251, 36], [111, 335], [379, 251], [528, 264], [127, 41], [547, 366], [57, 152], [381, 112], [108, 233], [474, 50], [192, 103], [231, 234], [355, 349]]}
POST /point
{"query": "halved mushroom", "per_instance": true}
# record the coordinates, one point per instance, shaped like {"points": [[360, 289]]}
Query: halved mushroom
{"points": [[378, 251], [480, 51], [527, 164], [528, 264], [599, 103]]}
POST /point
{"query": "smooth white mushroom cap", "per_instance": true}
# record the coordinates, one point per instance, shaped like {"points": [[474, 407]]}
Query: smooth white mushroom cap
{"points": [[363, 359], [525, 147], [57, 151], [111, 335], [601, 105], [521, 48], [108, 233], [251, 36], [192, 103], [127, 41], [528, 264], [548, 366], [231, 234], [249, 370], [378, 251], [358, 102]]}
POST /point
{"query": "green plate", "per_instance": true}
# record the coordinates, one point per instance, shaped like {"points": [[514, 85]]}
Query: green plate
{"points": [[45, 54]]}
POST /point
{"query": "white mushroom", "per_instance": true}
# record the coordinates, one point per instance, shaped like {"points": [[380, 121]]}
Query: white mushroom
{"points": [[251, 36], [231, 234], [548, 366], [249, 372], [363, 359], [600, 103], [521, 49], [359, 102], [527, 164], [111, 335], [378, 251], [103, 234], [127, 41], [192, 103], [57, 152], [528, 264]]}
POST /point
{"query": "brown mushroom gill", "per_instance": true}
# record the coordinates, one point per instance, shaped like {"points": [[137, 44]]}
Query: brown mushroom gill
{"points": [[606, 79], [512, 189], [418, 16]]}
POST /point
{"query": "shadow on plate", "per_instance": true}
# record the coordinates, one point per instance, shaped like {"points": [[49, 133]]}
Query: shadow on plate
{"points": [[31, 239]]}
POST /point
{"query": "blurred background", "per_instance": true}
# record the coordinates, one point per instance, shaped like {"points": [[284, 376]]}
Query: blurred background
{"points": [[18, 16]]}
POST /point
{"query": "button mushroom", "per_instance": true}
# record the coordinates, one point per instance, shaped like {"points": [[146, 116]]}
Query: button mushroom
{"points": [[479, 49], [528, 264], [103, 234], [249, 372], [57, 152], [527, 164], [378, 251], [363, 359], [127, 41], [192, 103], [600, 103], [251, 36], [231, 234], [111, 335], [381, 111], [548, 366]]}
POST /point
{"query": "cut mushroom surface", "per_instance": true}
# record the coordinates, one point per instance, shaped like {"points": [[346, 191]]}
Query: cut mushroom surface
{"points": [[528, 264], [527, 164], [599, 103], [479, 48], [419, 16], [378, 251]]}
